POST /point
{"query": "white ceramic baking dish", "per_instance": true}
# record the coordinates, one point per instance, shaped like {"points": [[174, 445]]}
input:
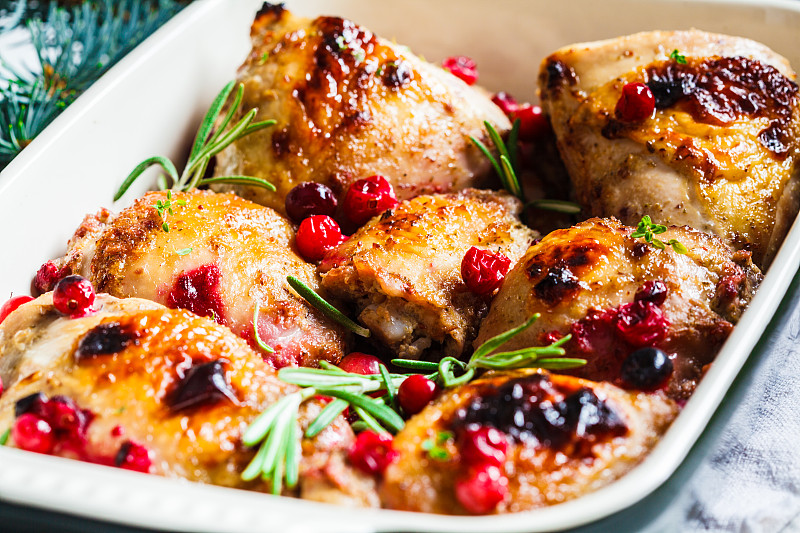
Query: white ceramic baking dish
{"points": [[151, 103]]}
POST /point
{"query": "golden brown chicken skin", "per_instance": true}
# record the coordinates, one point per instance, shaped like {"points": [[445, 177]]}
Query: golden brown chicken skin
{"points": [[718, 153], [220, 257], [349, 105], [402, 270], [161, 391], [562, 437], [616, 294]]}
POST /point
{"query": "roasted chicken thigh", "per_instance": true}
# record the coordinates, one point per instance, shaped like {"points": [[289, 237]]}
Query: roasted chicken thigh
{"points": [[561, 437], [350, 105], [218, 256], [718, 153], [402, 269], [616, 294], [155, 390]]}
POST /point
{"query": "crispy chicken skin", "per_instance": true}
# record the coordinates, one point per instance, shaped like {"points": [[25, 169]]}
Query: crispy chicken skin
{"points": [[402, 270], [350, 105], [582, 279], [220, 256], [566, 437], [720, 152], [143, 374]]}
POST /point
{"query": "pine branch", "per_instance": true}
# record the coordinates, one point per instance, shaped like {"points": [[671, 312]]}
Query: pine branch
{"points": [[74, 47]]}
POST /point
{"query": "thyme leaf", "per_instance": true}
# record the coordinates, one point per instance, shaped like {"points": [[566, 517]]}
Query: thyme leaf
{"points": [[678, 57], [647, 230]]}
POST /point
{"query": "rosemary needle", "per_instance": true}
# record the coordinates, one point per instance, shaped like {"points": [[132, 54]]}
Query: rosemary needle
{"points": [[327, 309]]}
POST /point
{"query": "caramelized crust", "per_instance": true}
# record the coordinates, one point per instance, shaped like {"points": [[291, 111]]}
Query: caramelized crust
{"points": [[220, 257], [719, 153], [128, 365], [573, 277], [546, 463], [350, 105], [402, 270]]}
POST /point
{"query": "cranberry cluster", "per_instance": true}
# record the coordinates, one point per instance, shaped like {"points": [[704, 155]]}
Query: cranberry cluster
{"points": [[313, 205], [58, 426], [483, 271], [630, 334], [483, 452]]}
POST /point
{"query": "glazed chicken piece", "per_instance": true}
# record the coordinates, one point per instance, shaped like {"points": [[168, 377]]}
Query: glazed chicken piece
{"points": [[563, 437], [221, 256], [402, 270], [616, 294], [143, 387], [719, 153], [351, 105]]}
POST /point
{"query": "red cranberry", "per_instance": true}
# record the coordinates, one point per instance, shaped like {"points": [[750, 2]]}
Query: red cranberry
{"points": [[308, 199], [484, 445], [506, 102], [198, 291], [646, 368], [415, 392], [132, 456], [483, 271], [654, 291], [533, 123], [33, 434], [369, 197], [316, 236], [551, 336], [360, 363], [462, 67], [482, 490], [641, 323], [12, 304], [372, 452], [47, 276], [74, 296], [636, 104]]}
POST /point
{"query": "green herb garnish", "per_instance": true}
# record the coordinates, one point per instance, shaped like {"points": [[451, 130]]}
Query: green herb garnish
{"points": [[647, 229], [278, 458], [206, 145], [327, 309], [4, 437], [548, 357], [261, 344], [164, 208], [559, 206], [678, 57], [184, 251], [506, 166], [435, 447]]}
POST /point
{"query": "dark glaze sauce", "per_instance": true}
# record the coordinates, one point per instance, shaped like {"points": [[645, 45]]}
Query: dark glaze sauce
{"points": [[203, 384], [718, 91], [534, 409], [106, 339]]}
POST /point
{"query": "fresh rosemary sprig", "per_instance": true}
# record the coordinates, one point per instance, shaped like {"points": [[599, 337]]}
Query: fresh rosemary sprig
{"points": [[327, 309], [206, 145], [548, 357], [506, 166], [275, 428], [647, 229], [678, 57], [4, 437]]}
